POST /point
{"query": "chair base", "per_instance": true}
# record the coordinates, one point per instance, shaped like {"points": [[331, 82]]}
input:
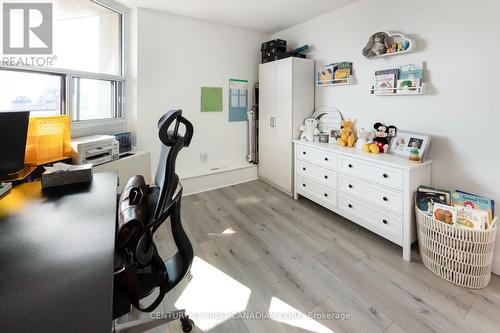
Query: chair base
{"points": [[144, 324]]}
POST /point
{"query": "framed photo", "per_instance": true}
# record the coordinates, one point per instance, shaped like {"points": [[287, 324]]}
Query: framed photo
{"points": [[403, 142], [334, 136]]}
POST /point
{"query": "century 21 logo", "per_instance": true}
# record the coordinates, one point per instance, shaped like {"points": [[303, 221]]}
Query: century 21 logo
{"points": [[27, 28]]}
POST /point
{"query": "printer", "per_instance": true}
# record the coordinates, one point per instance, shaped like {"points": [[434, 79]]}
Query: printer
{"points": [[95, 149]]}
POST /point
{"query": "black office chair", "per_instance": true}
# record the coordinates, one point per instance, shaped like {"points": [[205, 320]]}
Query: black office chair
{"points": [[164, 202]]}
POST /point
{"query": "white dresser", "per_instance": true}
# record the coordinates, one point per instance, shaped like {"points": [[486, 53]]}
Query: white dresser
{"points": [[375, 191]]}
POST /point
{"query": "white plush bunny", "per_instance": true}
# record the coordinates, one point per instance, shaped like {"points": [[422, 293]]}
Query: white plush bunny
{"points": [[309, 129]]}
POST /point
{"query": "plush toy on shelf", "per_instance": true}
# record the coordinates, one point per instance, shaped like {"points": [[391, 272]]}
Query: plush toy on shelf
{"points": [[309, 129], [364, 138], [347, 135], [382, 135]]}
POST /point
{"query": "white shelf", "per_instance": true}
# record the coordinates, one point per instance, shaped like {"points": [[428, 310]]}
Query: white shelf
{"points": [[335, 82], [399, 91], [397, 37]]}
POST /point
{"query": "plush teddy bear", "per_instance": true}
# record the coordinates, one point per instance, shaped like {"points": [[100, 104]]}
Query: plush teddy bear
{"points": [[347, 135], [382, 135], [364, 137], [309, 129]]}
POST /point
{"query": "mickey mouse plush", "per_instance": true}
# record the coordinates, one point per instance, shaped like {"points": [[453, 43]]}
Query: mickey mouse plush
{"points": [[382, 135]]}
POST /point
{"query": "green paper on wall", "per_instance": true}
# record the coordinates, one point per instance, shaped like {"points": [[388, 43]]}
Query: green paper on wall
{"points": [[211, 99]]}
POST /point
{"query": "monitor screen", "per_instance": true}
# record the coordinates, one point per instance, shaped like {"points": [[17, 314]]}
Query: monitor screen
{"points": [[13, 132]]}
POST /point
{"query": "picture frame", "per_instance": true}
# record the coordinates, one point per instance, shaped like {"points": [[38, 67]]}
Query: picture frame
{"points": [[334, 136], [402, 143]]}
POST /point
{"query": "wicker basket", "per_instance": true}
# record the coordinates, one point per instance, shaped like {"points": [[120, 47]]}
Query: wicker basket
{"points": [[458, 255]]}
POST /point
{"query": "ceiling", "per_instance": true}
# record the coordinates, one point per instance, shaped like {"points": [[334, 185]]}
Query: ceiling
{"points": [[260, 15]]}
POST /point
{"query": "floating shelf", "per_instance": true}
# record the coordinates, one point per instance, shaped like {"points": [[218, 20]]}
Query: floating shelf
{"points": [[398, 91], [397, 38], [336, 82]]}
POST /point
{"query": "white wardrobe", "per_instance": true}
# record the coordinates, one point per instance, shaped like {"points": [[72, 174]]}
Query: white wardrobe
{"points": [[286, 97]]}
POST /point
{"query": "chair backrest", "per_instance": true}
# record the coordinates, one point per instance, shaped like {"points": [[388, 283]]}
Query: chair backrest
{"points": [[172, 142]]}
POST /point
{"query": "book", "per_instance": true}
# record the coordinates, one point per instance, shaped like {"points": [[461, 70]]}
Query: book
{"points": [[386, 81], [469, 218], [410, 79], [342, 70], [444, 213], [427, 196], [460, 198]]}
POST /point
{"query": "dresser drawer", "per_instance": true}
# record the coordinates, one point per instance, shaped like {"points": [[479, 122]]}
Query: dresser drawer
{"points": [[318, 193], [319, 175], [379, 196], [373, 172], [317, 157], [387, 225]]}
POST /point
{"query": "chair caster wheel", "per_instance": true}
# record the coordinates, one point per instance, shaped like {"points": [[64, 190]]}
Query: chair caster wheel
{"points": [[187, 324]]}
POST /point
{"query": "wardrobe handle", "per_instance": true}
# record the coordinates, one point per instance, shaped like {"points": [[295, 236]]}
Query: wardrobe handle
{"points": [[304, 185], [385, 198], [385, 175], [385, 221], [303, 153], [350, 186], [349, 205], [350, 166], [326, 177], [325, 194], [326, 159], [304, 169]]}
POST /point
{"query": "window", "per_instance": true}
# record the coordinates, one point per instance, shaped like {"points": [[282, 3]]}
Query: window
{"points": [[28, 91], [87, 37], [86, 78], [95, 99]]}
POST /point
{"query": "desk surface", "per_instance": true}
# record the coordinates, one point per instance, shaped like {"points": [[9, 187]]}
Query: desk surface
{"points": [[56, 258]]}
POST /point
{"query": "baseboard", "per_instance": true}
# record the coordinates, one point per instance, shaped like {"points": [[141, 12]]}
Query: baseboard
{"points": [[203, 183]]}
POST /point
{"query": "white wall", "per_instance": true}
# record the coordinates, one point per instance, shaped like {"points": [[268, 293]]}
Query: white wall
{"points": [[176, 57], [458, 41]]}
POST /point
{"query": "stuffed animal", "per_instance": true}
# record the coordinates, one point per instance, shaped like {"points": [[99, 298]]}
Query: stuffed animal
{"points": [[382, 135], [309, 129], [377, 45], [347, 135], [364, 137]]}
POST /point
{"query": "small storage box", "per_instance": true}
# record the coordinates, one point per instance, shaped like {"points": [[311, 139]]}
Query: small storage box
{"points": [[272, 44], [461, 256]]}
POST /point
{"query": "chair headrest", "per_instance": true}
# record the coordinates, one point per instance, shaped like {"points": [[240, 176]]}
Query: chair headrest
{"points": [[169, 138]]}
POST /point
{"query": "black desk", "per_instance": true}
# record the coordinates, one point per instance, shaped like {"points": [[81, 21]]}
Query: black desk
{"points": [[56, 258]]}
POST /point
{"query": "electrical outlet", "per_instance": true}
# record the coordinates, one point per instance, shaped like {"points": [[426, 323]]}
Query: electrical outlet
{"points": [[203, 157]]}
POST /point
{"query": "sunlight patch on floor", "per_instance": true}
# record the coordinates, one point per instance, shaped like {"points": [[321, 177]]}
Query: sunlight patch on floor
{"points": [[212, 296], [284, 313]]}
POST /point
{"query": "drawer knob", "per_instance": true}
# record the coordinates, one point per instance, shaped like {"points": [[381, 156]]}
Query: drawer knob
{"points": [[385, 221], [385, 175], [385, 198], [350, 186], [325, 194], [303, 153], [326, 177], [350, 166], [304, 169], [304, 185], [349, 205], [326, 159]]}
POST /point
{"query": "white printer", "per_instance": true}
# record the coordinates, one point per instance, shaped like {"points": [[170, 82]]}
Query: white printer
{"points": [[95, 149]]}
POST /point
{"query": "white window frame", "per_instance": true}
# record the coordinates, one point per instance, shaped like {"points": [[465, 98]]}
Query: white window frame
{"points": [[68, 75]]}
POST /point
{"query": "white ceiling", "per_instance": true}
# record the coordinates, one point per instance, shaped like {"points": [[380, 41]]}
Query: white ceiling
{"points": [[259, 15]]}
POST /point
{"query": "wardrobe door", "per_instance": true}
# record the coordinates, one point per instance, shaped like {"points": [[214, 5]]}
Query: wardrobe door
{"points": [[267, 121]]}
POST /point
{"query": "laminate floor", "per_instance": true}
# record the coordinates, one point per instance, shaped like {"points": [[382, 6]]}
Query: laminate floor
{"points": [[267, 263]]}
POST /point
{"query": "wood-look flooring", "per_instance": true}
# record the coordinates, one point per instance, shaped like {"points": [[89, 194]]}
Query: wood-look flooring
{"points": [[259, 250]]}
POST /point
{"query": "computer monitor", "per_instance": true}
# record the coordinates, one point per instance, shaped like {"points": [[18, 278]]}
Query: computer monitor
{"points": [[13, 133]]}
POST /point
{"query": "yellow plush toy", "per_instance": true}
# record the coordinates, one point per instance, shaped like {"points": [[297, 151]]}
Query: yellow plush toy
{"points": [[347, 136]]}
